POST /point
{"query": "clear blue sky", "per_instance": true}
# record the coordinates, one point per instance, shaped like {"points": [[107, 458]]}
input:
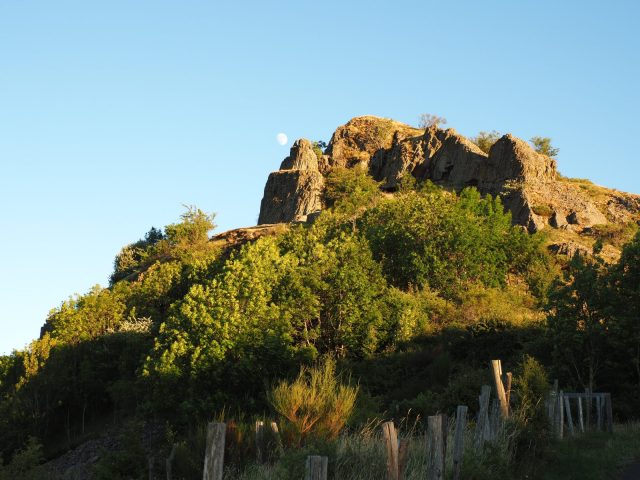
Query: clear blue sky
{"points": [[114, 114]]}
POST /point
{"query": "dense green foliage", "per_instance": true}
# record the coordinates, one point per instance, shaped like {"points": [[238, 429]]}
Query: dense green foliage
{"points": [[411, 294], [595, 324]]}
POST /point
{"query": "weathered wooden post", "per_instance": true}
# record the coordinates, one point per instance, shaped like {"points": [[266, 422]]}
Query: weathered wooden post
{"points": [[435, 448], [495, 420], [496, 367], [168, 463], [317, 467], [567, 407], [259, 441], [458, 440], [214, 453], [151, 463], [391, 446], [508, 381], [482, 423], [608, 412], [275, 433], [580, 415], [403, 455], [599, 412], [589, 407], [559, 415]]}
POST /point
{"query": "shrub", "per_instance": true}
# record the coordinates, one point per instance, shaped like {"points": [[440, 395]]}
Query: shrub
{"points": [[25, 463], [542, 210], [315, 404]]}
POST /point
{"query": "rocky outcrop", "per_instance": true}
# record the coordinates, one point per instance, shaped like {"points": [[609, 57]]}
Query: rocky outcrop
{"points": [[568, 248], [528, 182], [356, 142], [295, 191]]}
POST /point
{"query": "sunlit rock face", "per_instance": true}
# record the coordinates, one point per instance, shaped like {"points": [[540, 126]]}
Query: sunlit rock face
{"points": [[527, 182]]}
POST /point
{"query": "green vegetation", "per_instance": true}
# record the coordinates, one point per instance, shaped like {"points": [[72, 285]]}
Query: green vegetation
{"points": [[542, 210], [595, 456], [408, 295], [543, 145], [319, 147], [485, 140], [314, 405]]}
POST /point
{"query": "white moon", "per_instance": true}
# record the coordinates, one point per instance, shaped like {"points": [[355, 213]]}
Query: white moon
{"points": [[282, 139]]}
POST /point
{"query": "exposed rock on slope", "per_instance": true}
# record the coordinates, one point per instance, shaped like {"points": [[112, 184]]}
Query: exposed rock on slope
{"points": [[295, 190], [527, 181]]}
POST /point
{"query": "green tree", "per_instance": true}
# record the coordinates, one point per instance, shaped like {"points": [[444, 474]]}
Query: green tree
{"points": [[623, 295], [579, 322], [88, 316], [543, 145], [485, 140]]}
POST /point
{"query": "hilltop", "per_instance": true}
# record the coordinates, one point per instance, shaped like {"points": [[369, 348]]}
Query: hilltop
{"points": [[573, 212]]}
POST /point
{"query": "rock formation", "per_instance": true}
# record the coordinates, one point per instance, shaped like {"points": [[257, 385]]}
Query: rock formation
{"points": [[528, 182], [294, 191]]}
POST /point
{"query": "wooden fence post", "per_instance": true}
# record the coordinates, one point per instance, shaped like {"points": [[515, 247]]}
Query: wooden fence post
{"points": [[169, 463], [391, 446], [589, 407], [608, 412], [214, 453], [483, 417], [259, 441], [403, 454], [508, 382], [599, 412], [496, 367], [275, 434], [567, 407], [458, 440], [580, 415], [317, 467], [558, 420], [435, 448]]}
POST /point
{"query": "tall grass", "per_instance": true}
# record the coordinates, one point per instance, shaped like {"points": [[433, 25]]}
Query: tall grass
{"points": [[361, 456]]}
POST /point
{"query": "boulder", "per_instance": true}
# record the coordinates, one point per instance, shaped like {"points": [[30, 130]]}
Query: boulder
{"points": [[558, 219], [568, 248], [587, 216]]}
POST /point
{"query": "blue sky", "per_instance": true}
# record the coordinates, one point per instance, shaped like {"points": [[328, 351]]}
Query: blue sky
{"points": [[115, 114]]}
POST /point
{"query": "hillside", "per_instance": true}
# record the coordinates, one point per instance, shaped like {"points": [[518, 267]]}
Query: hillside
{"points": [[406, 284]]}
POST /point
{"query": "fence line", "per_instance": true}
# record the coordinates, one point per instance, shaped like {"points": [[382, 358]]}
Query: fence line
{"points": [[592, 410]]}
